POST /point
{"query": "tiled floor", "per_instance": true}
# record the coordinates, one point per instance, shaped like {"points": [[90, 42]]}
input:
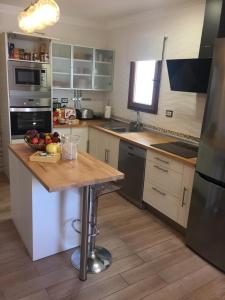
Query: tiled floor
{"points": [[150, 262]]}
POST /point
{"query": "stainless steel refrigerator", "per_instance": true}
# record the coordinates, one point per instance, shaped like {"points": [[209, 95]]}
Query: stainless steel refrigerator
{"points": [[206, 224]]}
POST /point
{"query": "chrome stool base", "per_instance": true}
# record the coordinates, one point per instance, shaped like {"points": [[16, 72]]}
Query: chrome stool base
{"points": [[99, 261]]}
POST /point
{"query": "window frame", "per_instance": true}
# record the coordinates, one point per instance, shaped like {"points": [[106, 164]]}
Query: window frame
{"points": [[153, 108]]}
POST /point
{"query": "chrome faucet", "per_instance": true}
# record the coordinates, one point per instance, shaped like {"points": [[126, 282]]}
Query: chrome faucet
{"points": [[77, 99]]}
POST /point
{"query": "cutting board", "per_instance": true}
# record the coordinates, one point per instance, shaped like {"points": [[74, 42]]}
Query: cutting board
{"points": [[48, 158]]}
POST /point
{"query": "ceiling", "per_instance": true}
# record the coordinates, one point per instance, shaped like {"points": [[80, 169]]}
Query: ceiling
{"points": [[101, 10]]}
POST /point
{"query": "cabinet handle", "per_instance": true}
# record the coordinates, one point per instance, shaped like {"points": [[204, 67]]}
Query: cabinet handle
{"points": [[162, 160], [106, 155], [183, 199], [158, 191], [161, 169]]}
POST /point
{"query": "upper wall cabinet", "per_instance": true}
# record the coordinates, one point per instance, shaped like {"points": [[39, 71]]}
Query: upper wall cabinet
{"points": [[103, 73], [61, 66], [82, 68]]}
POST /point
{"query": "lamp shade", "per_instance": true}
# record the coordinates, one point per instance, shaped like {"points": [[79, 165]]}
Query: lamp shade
{"points": [[39, 15]]}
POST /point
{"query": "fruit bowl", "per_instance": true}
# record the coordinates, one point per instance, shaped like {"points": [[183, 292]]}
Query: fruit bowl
{"points": [[39, 140], [35, 147]]}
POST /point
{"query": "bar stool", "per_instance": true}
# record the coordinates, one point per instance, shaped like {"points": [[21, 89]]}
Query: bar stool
{"points": [[99, 258]]}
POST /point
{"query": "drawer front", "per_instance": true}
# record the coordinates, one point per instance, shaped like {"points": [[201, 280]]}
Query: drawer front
{"points": [[164, 177], [165, 161], [161, 200]]}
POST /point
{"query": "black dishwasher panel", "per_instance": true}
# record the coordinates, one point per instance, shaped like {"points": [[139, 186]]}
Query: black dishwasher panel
{"points": [[132, 164]]}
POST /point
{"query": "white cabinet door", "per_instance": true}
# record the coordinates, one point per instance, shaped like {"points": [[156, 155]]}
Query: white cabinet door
{"points": [[81, 132], [187, 186], [94, 139], [104, 146], [111, 150]]}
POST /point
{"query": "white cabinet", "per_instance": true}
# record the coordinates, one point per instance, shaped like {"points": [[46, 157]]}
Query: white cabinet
{"points": [[104, 147], [168, 186], [83, 68], [81, 132]]}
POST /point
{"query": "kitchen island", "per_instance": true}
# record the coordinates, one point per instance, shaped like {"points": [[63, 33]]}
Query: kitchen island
{"points": [[47, 197]]}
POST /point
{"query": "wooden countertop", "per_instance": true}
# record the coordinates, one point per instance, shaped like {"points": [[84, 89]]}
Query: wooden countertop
{"points": [[145, 139], [84, 171]]}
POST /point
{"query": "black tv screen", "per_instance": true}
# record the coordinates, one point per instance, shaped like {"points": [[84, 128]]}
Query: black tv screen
{"points": [[189, 75]]}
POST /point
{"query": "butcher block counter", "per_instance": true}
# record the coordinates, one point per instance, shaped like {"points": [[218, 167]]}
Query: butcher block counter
{"points": [[84, 171], [144, 139], [47, 197]]}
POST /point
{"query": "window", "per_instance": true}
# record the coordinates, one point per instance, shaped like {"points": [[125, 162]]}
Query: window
{"points": [[144, 85]]}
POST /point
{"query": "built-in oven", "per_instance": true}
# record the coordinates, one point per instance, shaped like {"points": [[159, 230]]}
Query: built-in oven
{"points": [[29, 77], [29, 113]]}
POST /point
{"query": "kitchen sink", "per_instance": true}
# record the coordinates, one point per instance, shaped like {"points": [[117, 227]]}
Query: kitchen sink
{"points": [[120, 127]]}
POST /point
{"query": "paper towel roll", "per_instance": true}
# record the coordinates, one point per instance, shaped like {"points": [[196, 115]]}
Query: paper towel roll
{"points": [[108, 110]]}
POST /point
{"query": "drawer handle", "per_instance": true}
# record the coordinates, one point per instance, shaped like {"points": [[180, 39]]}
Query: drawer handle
{"points": [[158, 191], [107, 155], [162, 160], [183, 200], [161, 169]]}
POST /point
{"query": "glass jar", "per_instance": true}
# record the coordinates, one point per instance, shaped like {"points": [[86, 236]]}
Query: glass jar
{"points": [[69, 146]]}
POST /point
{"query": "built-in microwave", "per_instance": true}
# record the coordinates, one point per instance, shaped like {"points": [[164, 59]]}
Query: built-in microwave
{"points": [[29, 77]]}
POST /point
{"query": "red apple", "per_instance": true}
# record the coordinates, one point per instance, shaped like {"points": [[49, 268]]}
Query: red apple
{"points": [[34, 140]]}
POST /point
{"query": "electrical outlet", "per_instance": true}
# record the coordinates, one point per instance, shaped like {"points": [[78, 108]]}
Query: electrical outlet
{"points": [[169, 113]]}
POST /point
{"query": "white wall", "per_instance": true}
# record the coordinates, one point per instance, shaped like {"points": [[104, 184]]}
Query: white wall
{"points": [[139, 38]]}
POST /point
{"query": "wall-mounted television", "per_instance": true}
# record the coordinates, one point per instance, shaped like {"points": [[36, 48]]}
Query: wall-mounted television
{"points": [[189, 75]]}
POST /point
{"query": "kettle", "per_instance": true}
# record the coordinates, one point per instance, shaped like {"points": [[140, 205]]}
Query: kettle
{"points": [[84, 113]]}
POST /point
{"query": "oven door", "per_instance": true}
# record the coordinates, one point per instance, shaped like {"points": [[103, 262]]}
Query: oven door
{"points": [[29, 77], [24, 119]]}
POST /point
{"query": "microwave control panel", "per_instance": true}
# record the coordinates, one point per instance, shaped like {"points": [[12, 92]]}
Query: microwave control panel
{"points": [[43, 77]]}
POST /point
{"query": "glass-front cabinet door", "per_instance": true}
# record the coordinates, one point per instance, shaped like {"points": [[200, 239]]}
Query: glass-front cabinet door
{"points": [[103, 71], [61, 66], [82, 67]]}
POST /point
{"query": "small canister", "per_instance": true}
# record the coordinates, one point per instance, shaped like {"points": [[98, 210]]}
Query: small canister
{"points": [[69, 147]]}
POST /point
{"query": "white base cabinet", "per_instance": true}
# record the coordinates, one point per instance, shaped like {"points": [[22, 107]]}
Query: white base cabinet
{"points": [[168, 186], [104, 146], [82, 132]]}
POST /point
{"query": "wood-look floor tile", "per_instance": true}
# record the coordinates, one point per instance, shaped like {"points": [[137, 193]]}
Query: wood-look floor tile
{"points": [[2, 297], [181, 269], [103, 289], [69, 288], [170, 259], [22, 275], [42, 295], [138, 273], [161, 249], [37, 284], [215, 290], [138, 290], [186, 286]]}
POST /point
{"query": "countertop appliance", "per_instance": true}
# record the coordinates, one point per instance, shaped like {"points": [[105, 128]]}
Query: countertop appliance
{"points": [[85, 114], [29, 113], [189, 75], [179, 148], [29, 77], [206, 222], [132, 164]]}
